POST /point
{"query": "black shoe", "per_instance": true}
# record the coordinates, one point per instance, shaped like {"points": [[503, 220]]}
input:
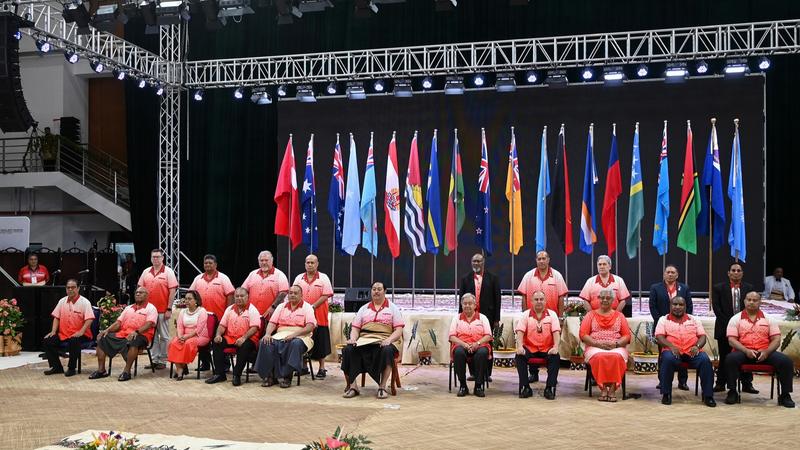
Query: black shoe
{"points": [[683, 386], [237, 380], [534, 377], [786, 401], [216, 379], [97, 374], [489, 379], [462, 391], [719, 388], [709, 401], [525, 392], [70, 373], [479, 392], [732, 398], [658, 386], [124, 376], [321, 374], [549, 393], [749, 389], [185, 370], [53, 371], [666, 399], [470, 378], [203, 367]]}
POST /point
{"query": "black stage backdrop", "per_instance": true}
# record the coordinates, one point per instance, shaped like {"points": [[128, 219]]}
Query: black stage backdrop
{"points": [[416, 23], [649, 103]]}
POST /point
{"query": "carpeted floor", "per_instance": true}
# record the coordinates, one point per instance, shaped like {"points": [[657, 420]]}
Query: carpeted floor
{"points": [[36, 410]]}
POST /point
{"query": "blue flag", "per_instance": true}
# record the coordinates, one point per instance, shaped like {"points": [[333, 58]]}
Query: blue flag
{"points": [[737, 238], [433, 230], [483, 214], [588, 221], [712, 179], [542, 192], [660, 236], [336, 195], [369, 216], [351, 235], [309, 202]]}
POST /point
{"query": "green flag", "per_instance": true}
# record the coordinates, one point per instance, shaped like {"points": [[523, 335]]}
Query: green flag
{"points": [[455, 202], [636, 205], [690, 201]]}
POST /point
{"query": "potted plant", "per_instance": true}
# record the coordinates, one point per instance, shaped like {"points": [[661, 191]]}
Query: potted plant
{"points": [[715, 359], [11, 322], [109, 311], [785, 343], [425, 356], [346, 333], [575, 309], [646, 361], [502, 355], [576, 360], [335, 307]]}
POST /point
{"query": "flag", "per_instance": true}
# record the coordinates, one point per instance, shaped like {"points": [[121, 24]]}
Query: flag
{"points": [[712, 179], [660, 236], [542, 191], [369, 215], [690, 200], [483, 215], [414, 223], [391, 204], [588, 221], [455, 200], [287, 216], [309, 202], [336, 195], [737, 238], [514, 196], [612, 193], [433, 229], [560, 216], [351, 235], [636, 202]]}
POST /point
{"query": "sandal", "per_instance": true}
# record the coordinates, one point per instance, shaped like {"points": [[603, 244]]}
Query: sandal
{"points": [[98, 374], [179, 378], [603, 396], [269, 381], [612, 398], [285, 382], [350, 393], [382, 394]]}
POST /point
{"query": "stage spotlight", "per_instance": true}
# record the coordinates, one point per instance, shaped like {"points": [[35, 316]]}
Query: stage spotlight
{"points": [[198, 95], [676, 70], [170, 12], [641, 71], [71, 56], [119, 73], [238, 94], [148, 10], [427, 83], [305, 94], [282, 90], [261, 97], [17, 35], [763, 63], [402, 88], [159, 89], [478, 80], [702, 67], [446, 5], [210, 13], [355, 90], [505, 82], [331, 89], [75, 12], [97, 65], [379, 85], [107, 16], [587, 73], [142, 83], [454, 85], [613, 75], [736, 67], [43, 45], [556, 78], [236, 8], [531, 76]]}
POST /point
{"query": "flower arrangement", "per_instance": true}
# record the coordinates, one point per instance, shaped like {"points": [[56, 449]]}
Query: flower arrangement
{"points": [[340, 441], [791, 315], [335, 307], [109, 311], [575, 309], [11, 320], [105, 441]]}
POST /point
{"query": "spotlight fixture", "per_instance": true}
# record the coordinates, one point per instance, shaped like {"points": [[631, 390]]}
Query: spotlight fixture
{"points": [[171, 12], [736, 67], [119, 73], [142, 83], [331, 89], [147, 8], [198, 95], [587, 73], [556, 78], [71, 56], [159, 89], [261, 97], [305, 94], [43, 45], [75, 12], [531, 77], [612, 75], [282, 90], [17, 35], [676, 70], [454, 85], [379, 86], [446, 5], [763, 63], [107, 16], [234, 8], [211, 14], [478, 79], [402, 88], [355, 90], [427, 83], [641, 70], [702, 67], [97, 65], [505, 82], [238, 94]]}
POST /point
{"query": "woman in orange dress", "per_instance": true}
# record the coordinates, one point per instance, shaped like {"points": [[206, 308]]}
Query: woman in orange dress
{"points": [[192, 332], [606, 335]]}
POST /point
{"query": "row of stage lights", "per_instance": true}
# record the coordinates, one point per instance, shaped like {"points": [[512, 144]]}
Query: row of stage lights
{"points": [[503, 81]]}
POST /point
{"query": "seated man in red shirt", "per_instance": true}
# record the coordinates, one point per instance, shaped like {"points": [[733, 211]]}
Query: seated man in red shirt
{"points": [[538, 334], [470, 334], [72, 319], [34, 274], [238, 329], [132, 332], [755, 339]]}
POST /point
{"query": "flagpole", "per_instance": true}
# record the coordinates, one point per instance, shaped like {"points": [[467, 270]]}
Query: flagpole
{"points": [[710, 222], [513, 298], [333, 258], [413, 280], [455, 224], [738, 149], [351, 270], [639, 254], [291, 218], [434, 279], [313, 199], [616, 225], [392, 280]]}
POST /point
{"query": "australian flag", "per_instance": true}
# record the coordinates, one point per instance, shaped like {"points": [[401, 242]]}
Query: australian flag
{"points": [[483, 215], [336, 195], [309, 202]]}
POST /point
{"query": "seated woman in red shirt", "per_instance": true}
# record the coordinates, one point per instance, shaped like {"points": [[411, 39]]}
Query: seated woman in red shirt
{"points": [[606, 335], [192, 332], [470, 335]]}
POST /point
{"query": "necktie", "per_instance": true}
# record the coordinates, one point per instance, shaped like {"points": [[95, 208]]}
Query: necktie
{"points": [[735, 300]]}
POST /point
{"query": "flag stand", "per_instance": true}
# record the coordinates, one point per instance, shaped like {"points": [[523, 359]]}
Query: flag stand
{"points": [[333, 259], [455, 275], [289, 256], [351, 270], [639, 257], [413, 280], [434, 279], [616, 242], [710, 247], [566, 268]]}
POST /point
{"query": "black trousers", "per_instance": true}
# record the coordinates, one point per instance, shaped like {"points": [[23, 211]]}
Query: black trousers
{"points": [[553, 362], [477, 364], [782, 364], [722, 377], [53, 344], [244, 354], [683, 374], [372, 359]]}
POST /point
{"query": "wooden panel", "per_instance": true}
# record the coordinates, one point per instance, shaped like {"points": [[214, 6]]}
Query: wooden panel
{"points": [[107, 117]]}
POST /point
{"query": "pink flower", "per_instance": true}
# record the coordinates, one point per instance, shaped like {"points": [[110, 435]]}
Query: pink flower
{"points": [[14, 301], [332, 442], [103, 436], [7, 331], [5, 313]]}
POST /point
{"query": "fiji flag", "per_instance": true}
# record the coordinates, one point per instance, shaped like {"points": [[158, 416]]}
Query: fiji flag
{"points": [[433, 231], [336, 194], [483, 215], [588, 221], [736, 236], [369, 215], [351, 234], [660, 237], [542, 191], [309, 202]]}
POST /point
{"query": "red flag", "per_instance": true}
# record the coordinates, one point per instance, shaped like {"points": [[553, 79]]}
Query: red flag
{"points": [[391, 204], [287, 216], [613, 191], [560, 216]]}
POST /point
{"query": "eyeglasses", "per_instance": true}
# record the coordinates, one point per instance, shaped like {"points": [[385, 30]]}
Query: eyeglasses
{"points": [[72, 287], [735, 270]]}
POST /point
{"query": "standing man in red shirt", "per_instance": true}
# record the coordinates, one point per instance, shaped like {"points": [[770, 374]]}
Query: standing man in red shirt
{"points": [[34, 274], [161, 285], [216, 290], [317, 290], [267, 285], [72, 320]]}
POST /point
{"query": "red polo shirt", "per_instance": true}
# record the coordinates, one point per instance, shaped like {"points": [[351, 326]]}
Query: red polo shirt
{"points": [[27, 275], [158, 285]]}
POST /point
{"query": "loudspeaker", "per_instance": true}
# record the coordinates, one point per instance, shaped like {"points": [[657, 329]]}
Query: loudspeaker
{"points": [[355, 298], [14, 114]]}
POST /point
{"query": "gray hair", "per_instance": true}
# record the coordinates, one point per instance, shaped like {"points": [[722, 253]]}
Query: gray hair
{"points": [[604, 292], [606, 258], [266, 252], [468, 296]]}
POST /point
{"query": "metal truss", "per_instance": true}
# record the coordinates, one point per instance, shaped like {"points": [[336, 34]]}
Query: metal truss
{"points": [[169, 149], [715, 41]]}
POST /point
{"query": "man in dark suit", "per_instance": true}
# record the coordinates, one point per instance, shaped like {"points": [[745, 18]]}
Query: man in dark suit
{"points": [[485, 286], [660, 296], [727, 299]]}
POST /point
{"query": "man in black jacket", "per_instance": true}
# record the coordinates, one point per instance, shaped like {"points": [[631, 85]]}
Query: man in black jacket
{"points": [[485, 286], [727, 299], [660, 296]]}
